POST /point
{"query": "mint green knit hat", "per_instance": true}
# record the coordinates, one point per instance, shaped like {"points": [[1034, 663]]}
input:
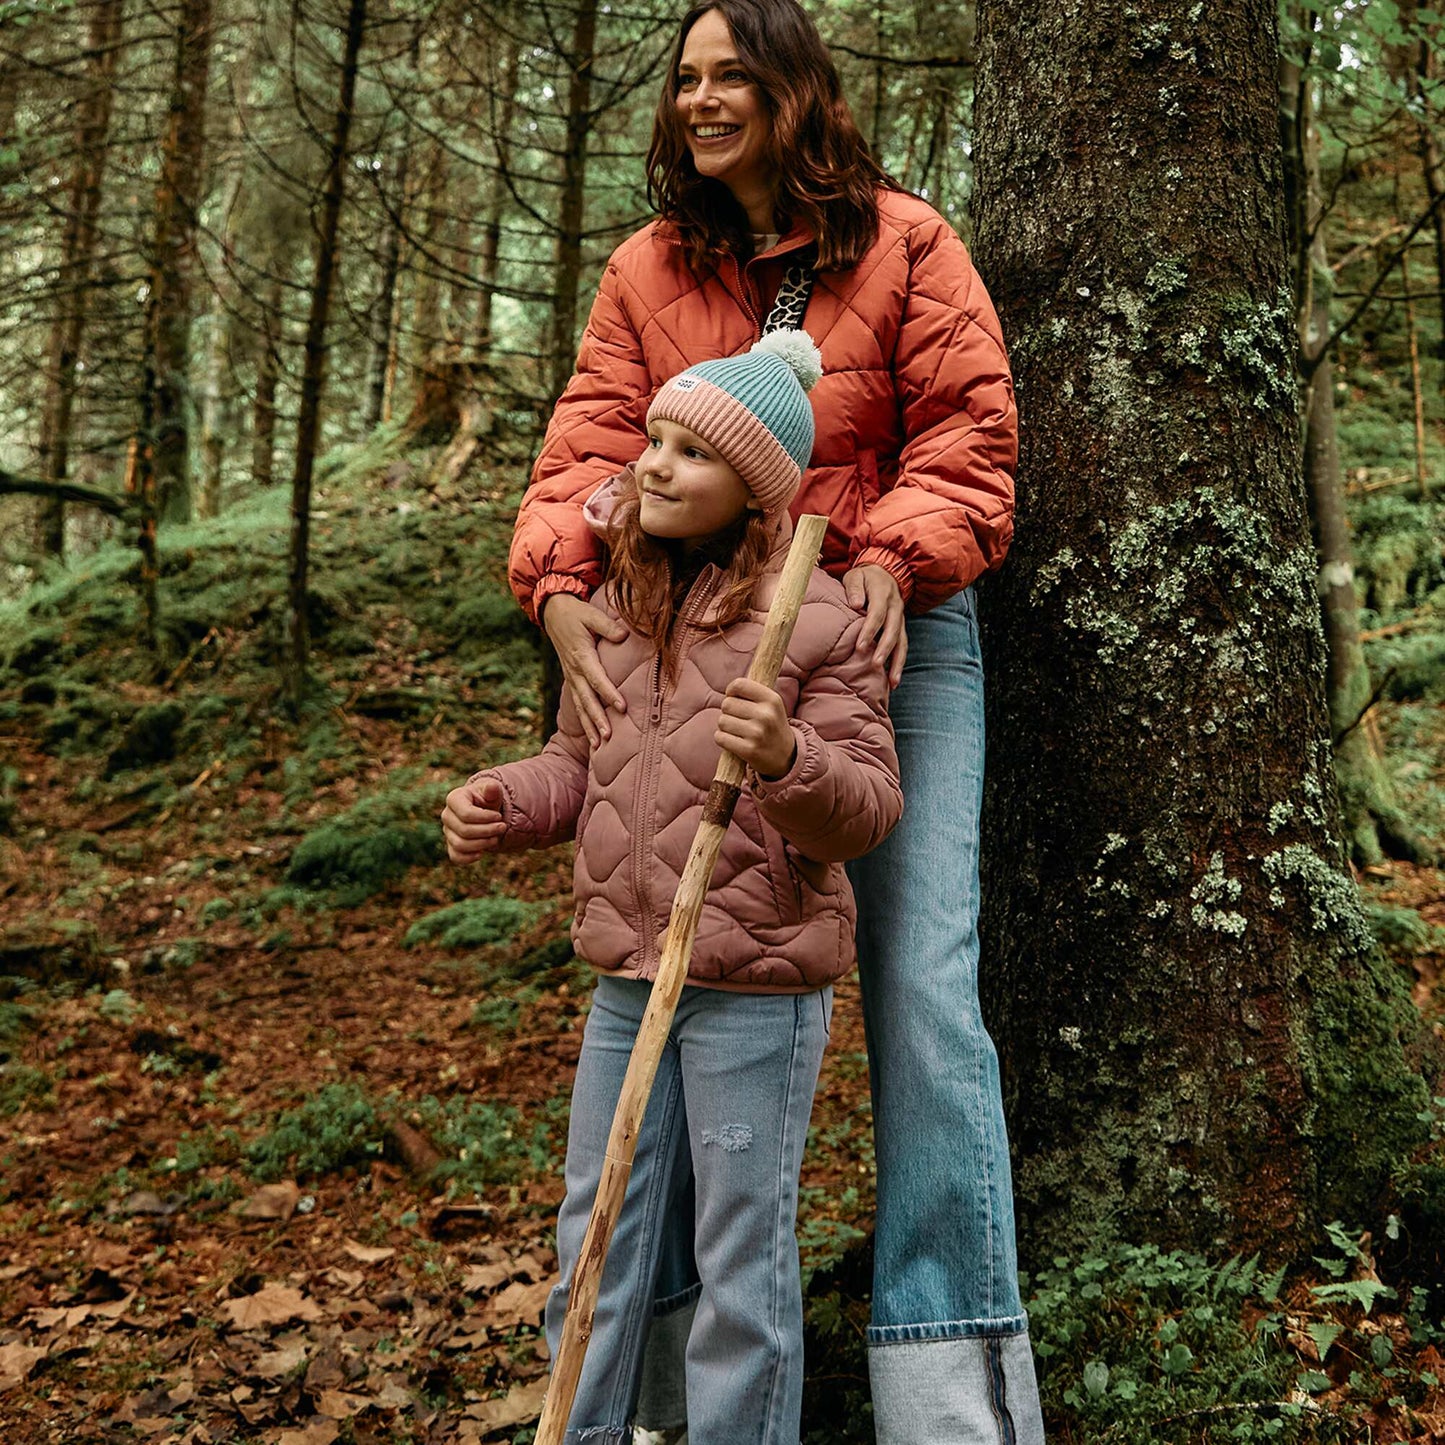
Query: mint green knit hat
{"points": [[754, 409]]}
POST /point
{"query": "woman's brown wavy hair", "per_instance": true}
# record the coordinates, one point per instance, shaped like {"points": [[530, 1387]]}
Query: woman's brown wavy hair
{"points": [[651, 577], [827, 178]]}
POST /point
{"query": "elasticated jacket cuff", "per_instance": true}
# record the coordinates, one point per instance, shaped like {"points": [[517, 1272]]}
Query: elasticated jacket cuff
{"points": [[892, 564], [553, 583]]}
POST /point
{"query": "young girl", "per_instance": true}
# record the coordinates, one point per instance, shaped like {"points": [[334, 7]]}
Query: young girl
{"points": [[696, 533]]}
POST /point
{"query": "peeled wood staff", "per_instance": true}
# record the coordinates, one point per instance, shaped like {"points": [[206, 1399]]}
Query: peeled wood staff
{"points": [[666, 989]]}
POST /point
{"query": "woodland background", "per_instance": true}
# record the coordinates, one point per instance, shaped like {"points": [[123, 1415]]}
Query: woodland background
{"points": [[288, 290]]}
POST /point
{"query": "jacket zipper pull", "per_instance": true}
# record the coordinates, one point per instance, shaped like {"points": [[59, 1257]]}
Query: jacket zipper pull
{"points": [[657, 689]]}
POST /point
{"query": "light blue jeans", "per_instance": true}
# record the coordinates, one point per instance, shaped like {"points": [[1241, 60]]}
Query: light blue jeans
{"points": [[729, 1112], [949, 1358]]}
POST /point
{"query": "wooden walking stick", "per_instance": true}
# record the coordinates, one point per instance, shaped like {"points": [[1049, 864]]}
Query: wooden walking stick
{"points": [[666, 989]]}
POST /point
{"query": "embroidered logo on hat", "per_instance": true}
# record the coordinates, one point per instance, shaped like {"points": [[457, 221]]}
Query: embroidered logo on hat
{"points": [[685, 383]]}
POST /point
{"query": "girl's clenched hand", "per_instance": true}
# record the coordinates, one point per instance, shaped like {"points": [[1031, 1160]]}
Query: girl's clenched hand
{"points": [[754, 725], [472, 820]]}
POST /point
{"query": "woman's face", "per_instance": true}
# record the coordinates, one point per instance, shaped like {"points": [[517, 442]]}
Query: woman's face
{"points": [[724, 115]]}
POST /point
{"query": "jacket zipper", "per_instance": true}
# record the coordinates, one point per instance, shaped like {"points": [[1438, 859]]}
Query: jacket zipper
{"points": [[644, 815], [745, 295]]}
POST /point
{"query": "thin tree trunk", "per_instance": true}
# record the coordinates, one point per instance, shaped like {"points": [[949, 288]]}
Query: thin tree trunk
{"points": [[568, 271], [1432, 167], [1176, 967], [268, 371], [1422, 481], [165, 434], [314, 372], [428, 215], [383, 308], [1372, 818], [73, 280], [216, 399], [491, 244]]}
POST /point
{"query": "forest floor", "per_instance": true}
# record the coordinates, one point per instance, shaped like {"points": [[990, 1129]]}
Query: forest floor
{"points": [[283, 1093]]}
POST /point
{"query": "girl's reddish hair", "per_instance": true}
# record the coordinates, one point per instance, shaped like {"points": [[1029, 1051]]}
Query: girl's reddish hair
{"points": [[827, 177], [647, 579]]}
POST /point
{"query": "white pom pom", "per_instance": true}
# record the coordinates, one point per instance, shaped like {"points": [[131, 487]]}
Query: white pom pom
{"points": [[798, 350]]}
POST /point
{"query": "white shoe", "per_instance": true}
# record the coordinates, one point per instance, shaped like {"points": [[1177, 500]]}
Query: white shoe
{"points": [[659, 1437]]}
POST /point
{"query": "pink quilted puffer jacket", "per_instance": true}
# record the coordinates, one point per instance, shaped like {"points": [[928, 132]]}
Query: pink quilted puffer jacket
{"points": [[780, 914], [917, 430]]}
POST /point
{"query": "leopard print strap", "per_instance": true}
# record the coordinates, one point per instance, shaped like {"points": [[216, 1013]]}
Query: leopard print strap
{"points": [[793, 296]]}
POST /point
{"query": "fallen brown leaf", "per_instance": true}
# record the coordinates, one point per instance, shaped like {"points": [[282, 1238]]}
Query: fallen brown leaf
{"points": [[315, 1432], [272, 1201], [16, 1363], [518, 1405], [341, 1406], [366, 1253], [484, 1278], [518, 1304], [273, 1304]]}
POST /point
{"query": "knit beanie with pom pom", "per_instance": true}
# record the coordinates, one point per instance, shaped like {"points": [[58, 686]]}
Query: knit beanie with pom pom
{"points": [[754, 409]]}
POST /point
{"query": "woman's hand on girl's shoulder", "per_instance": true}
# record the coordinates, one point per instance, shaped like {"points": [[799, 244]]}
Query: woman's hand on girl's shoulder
{"points": [[472, 821], [574, 627], [872, 590]]}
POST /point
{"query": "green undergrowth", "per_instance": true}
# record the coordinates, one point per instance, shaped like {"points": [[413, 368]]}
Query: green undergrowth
{"points": [[1138, 1343], [473, 923], [356, 853], [342, 1127]]}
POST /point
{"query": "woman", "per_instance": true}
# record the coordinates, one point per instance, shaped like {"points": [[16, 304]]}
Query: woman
{"points": [[755, 163]]}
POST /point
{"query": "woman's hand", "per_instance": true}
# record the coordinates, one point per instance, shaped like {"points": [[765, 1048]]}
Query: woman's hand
{"points": [[754, 725], [871, 589], [472, 820], [574, 627]]}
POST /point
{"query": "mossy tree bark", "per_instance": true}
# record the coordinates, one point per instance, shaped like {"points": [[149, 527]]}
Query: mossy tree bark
{"points": [[1199, 1043]]}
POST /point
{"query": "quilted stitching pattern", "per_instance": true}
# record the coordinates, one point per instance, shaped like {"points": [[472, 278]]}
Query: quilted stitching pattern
{"points": [[780, 913], [917, 429]]}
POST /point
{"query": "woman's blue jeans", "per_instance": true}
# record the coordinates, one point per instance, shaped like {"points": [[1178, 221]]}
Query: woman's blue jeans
{"points": [[729, 1112], [949, 1358]]}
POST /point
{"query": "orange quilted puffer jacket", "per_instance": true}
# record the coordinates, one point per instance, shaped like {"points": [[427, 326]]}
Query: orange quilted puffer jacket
{"points": [[917, 430], [779, 915]]}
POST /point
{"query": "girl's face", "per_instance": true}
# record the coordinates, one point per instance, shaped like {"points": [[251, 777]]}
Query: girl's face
{"points": [[724, 115], [686, 491]]}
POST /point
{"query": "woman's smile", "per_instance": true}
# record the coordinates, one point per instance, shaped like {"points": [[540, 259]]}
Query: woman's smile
{"points": [[725, 115]]}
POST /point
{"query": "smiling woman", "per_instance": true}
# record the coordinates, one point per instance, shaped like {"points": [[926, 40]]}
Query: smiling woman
{"points": [[757, 169], [725, 119]]}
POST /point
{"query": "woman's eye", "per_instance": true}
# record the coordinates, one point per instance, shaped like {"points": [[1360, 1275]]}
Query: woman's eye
{"points": [[736, 77], [686, 81]]}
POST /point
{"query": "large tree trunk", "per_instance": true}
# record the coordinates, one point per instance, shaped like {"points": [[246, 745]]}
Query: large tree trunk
{"points": [[92, 134], [1199, 1042], [313, 377], [165, 434], [562, 347]]}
